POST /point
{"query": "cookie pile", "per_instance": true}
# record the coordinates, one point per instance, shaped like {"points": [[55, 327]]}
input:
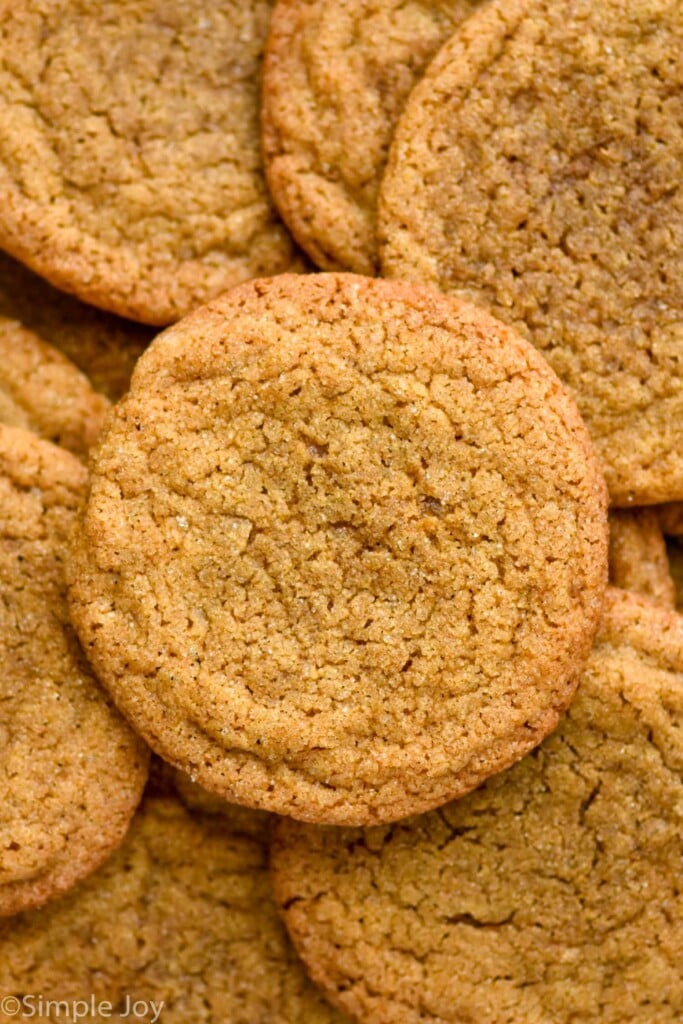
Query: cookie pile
{"points": [[332, 691]]}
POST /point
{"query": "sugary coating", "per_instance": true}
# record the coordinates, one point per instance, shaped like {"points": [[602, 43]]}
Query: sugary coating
{"points": [[345, 548]]}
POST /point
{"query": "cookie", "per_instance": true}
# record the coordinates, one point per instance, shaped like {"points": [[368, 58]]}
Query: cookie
{"points": [[345, 548], [130, 167], [552, 894], [71, 771], [536, 171], [638, 559], [183, 916], [336, 76], [105, 348], [42, 391]]}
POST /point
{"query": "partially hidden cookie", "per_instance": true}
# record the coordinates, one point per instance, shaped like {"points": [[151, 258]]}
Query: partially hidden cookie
{"points": [[104, 347], [180, 925], [552, 894], [130, 166], [638, 559], [336, 76], [71, 771], [42, 391], [536, 171], [344, 550]]}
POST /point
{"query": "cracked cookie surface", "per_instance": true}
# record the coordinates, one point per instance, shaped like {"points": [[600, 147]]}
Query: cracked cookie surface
{"points": [[182, 914], [638, 559], [345, 548], [71, 771], [130, 167], [336, 76], [537, 171], [551, 894], [103, 347], [42, 391]]}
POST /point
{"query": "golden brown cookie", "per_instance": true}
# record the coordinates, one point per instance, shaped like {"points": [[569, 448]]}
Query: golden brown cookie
{"points": [[130, 167], [536, 171], [336, 76], [104, 347], [40, 390], [638, 558], [345, 548], [71, 771], [183, 916], [552, 894]]}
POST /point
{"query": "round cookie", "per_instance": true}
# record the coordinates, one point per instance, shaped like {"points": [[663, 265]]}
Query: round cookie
{"points": [[536, 171], [552, 894], [181, 915], [42, 391], [104, 347], [71, 771], [336, 76], [638, 558], [345, 548], [130, 166]]}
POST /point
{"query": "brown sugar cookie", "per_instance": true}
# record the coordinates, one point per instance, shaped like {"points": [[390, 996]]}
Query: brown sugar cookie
{"points": [[130, 167], [336, 76], [345, 548], [104, 347], [182, 915], [536, 171], [638, 559], [551, 894], [71, 771], [40, 390]]}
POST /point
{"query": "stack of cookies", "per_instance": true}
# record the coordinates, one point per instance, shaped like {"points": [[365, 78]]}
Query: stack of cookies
{"points": [[342, 371]]}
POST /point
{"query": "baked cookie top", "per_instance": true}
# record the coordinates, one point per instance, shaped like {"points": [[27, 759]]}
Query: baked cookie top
{"points": [[40, 390], [345, 548], [537, 171], [638, 559], [336, 76], [181, 915], [71, 771], [550, 894], [130, 168], [103, 347]]}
